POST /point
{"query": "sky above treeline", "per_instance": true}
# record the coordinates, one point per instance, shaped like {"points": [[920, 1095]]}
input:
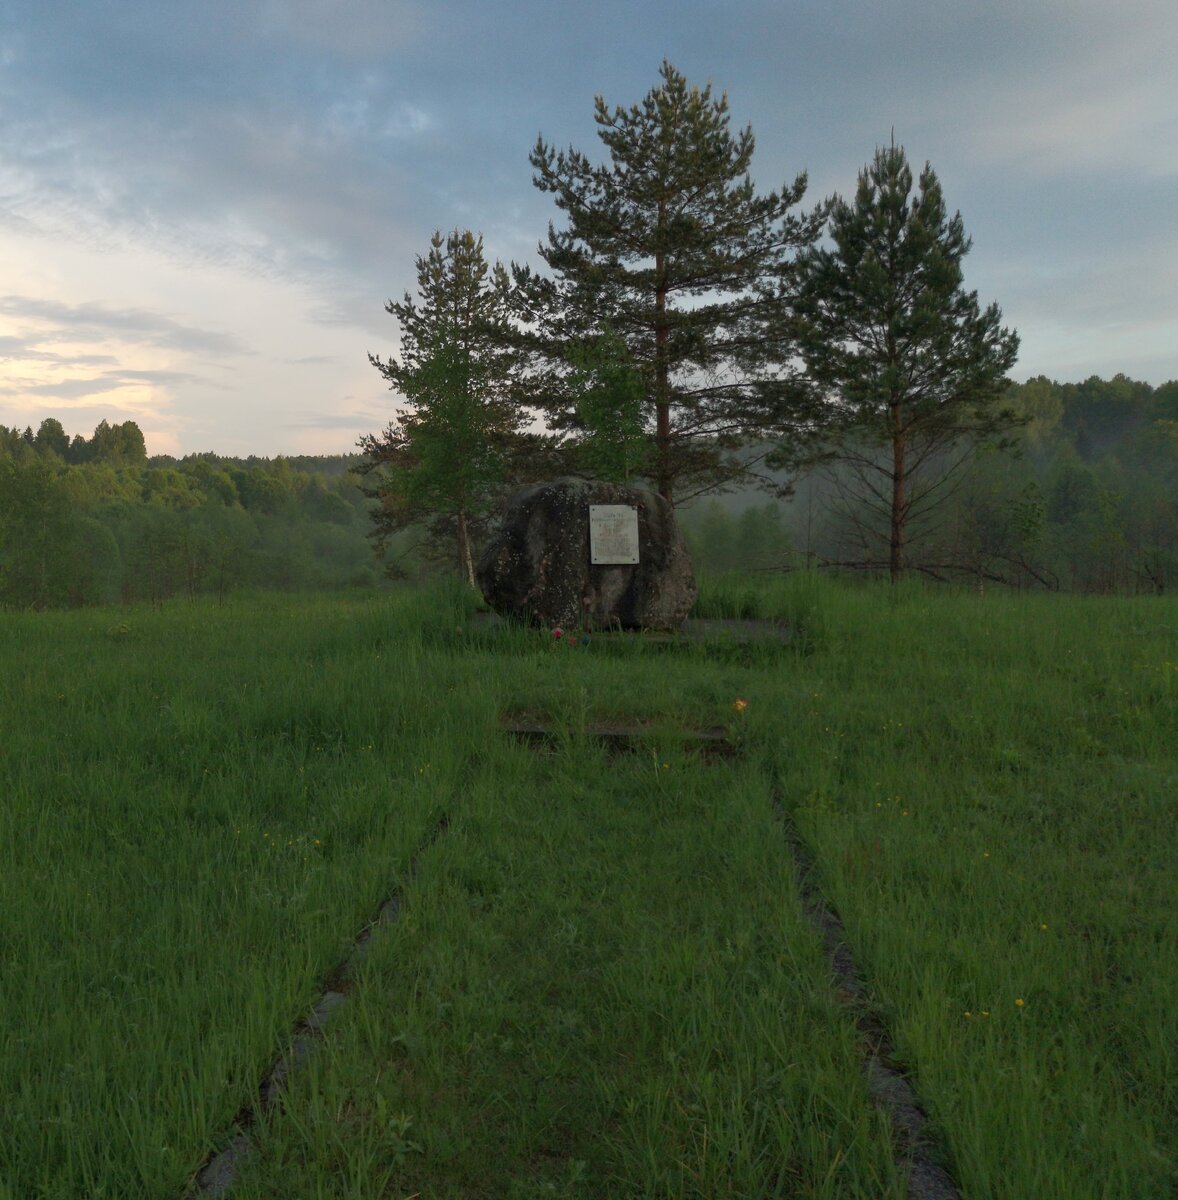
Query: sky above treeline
{"points": [[204, 206]]}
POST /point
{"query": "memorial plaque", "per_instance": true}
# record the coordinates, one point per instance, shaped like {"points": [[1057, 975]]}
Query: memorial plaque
{"points": [[544, 566], [613, 534]]}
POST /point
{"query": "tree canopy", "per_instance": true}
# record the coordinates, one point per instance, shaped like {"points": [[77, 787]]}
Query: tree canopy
{"points": [[118, 444], [910, 371], [438, 462], [607, 393], [671, 246]]}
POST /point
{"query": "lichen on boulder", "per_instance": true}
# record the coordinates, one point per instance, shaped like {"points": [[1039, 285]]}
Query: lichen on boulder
{"points": [[537, 568]]}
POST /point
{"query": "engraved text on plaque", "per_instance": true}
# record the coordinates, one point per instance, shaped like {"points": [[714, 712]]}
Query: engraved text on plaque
{"points": [[613, 534]]}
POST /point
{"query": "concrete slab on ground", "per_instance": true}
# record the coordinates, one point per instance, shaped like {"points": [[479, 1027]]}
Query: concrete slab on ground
{"points": [[694, 629]]}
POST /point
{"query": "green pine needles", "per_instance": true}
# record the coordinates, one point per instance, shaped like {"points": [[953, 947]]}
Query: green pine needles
{"points": [[671, 243], [692, 328], [909, 373], [438, 464]]}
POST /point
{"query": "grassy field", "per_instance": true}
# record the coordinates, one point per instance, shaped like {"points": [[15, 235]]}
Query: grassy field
{"points": [[601, 981]]}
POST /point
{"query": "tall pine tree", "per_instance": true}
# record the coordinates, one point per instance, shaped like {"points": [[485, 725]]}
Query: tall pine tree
{"points": [[670, 246], [910, 371], [437, 464]]}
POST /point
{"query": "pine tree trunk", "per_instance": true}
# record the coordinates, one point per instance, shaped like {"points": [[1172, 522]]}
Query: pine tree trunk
{"points": [[662, 387], [663, 440], [899, 499]]}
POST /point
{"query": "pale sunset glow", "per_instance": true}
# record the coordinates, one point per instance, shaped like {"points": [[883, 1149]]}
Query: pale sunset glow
{"points": [[204, 208]]}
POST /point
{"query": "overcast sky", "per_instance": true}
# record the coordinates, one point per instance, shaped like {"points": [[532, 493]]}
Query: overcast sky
{"points": [[205, 204]]}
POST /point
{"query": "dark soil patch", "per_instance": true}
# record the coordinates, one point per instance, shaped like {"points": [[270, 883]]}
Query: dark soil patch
{"points": [[693, 629], [618, 736], [889, 1086], [216, 1175]]}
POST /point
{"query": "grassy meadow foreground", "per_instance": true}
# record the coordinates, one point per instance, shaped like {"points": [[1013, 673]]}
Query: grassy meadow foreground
{"points": [[601, 982]]}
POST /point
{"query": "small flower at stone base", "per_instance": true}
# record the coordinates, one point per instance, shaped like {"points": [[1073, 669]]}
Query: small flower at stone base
{"points": [[740, 705], [558, 633]]}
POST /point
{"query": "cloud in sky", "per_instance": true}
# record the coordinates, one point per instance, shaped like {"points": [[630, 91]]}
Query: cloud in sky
{"points": [[93, 320], [206, 206]]}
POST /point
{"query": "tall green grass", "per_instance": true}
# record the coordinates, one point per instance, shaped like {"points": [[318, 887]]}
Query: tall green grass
{"points": [[601, 983], [990, 786], [201, 806], [602, 986]]}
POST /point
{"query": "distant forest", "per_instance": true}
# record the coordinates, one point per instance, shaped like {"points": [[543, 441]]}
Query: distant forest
{"points": [[95, 521], [1086, 501]]}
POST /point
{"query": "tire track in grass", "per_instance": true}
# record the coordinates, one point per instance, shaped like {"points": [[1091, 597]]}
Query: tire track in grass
{"points": [[218, 1172], [889, 1088]]}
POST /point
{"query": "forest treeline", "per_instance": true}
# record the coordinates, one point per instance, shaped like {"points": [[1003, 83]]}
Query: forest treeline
{"points": [[95, 521], [1087, 501], [1089, 504], [682, 317]]}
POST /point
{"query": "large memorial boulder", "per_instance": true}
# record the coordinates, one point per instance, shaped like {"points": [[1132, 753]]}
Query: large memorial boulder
{"points": [[581, 554]]}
